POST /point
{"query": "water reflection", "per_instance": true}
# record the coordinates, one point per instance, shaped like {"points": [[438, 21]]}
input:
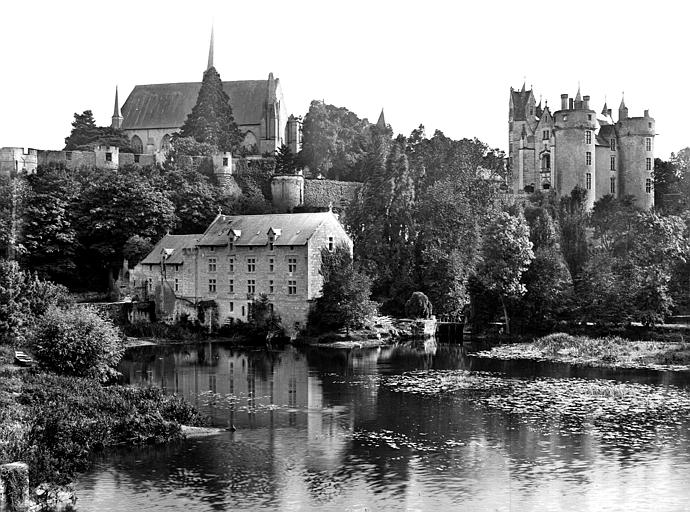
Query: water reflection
{"points": [[414, 426]]}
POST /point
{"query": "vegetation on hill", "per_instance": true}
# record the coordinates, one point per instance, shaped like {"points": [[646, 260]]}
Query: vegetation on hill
{"points": [[86, 135]]}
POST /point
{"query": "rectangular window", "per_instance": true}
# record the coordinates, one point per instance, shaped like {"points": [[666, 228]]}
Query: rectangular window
{"points": [[231, 265], [242, 310], [212, 249], [212, 264], [613, 185], [648, 144], [330, 243], [136, 159], [232, 307], [177, 285], [613, 144], [251, 286], [231, 286], [271, 264], [251, 265], [588, 158], [211, 286], [588, 137], [292, 287], [589, 181], [270, 286], [231, 244], [108, 157], [292, 265], [648, 186], [225, 161], [649, 164], [68, 155], [613, 163], [270, 245], [545, 135]]}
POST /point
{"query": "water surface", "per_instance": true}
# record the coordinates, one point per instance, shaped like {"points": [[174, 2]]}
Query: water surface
{"points": [[412, 427]]}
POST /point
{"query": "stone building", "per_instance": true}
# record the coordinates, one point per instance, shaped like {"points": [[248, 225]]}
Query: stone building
{"points": [[153, 113], [236, 260], [575, 146], [13, 160]]}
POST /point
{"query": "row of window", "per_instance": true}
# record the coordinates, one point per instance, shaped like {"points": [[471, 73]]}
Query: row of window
{"points": [[251, 265], [588, 161], [251, 286], [648, 184]]}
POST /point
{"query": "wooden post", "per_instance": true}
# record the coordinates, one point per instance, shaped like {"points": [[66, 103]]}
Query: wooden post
{"points": [[14, 485]]}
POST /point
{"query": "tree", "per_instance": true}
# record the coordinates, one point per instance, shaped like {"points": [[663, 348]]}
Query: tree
{"points": [[136, 249], [195, 198], [211, 120], [86, 135], [573, 219], [507, 253], [286, 161], [263, 320], [77, 342], [346, 291]]}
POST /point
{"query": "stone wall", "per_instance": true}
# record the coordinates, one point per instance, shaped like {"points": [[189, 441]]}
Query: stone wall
{"points": [[322, 193], [17, 160]]}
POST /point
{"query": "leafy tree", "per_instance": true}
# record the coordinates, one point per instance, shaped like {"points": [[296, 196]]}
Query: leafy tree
{"points": [[195, 198], [136, 249], [346, 291], [507, 253], [418, 306], [286, 161], [78, 342], [573, 219], [14, 193], [211, 120], [264, 322], [334, 141], [86, 135]]}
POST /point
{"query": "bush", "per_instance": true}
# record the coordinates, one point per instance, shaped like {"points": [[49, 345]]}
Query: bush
{"points": [[73, 417], [78, 342], [418, 306]]}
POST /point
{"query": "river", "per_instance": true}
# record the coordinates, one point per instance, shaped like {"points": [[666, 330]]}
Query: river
{"points": [[408, 427]]}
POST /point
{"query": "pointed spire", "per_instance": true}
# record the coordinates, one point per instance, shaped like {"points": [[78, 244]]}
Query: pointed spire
{"points": [[578, 96], [116, 111], [117, 117], [381, 123], [622, 102], [523, 86], [605, 110], [210, 52]]}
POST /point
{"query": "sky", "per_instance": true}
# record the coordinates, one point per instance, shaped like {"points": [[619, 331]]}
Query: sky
{"points": [[448, 65]]}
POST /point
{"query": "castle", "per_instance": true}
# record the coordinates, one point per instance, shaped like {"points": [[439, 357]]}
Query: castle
{"points": [[574, 146], [153, 113]]}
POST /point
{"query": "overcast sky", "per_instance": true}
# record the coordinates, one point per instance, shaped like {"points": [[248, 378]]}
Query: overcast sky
{"points": [[447, 65]]}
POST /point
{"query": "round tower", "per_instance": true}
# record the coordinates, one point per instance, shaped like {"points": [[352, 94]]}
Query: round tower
{"points": [[287, 191], [574, 136], [636, 156]]}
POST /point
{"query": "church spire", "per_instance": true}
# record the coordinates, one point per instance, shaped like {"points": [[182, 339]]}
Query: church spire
{"points": [[381, 123], [578, 96], [117, 117], [210, 52]]}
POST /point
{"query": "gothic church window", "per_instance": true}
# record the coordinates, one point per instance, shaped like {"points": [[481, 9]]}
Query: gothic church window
{"points": [[165, 143], [137, 145]]}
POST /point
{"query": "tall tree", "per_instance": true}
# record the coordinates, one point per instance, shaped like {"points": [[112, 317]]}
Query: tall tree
{"points": [[573, 219], [506, 254], [86, 135], [211, 120]]}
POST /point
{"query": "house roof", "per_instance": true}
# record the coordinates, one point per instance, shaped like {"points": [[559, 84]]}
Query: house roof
{"points": [[172, 246], [295, 228], [167, 105], [606, 133]]}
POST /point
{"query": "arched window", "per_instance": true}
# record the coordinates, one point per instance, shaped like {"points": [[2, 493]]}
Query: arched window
{"points": [[137, 145], [249, 141], [165, 143]]}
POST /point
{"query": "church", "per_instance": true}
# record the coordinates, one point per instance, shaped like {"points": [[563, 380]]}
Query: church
{"points": [[153, 113]]}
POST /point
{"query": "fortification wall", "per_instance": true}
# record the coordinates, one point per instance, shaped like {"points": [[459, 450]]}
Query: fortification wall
{"points": [[324, 193]]}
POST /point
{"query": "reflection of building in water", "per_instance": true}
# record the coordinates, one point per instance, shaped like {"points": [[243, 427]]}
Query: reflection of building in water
{"points": [[233, 387]]}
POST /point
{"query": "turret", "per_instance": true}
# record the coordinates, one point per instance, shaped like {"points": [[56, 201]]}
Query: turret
{"points": [[293, 135], [116, 122], [622, 110], [636, 155]]}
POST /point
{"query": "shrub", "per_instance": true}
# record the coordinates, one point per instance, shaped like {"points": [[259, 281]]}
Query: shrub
{"points": [[78, 342], [418, 306]]}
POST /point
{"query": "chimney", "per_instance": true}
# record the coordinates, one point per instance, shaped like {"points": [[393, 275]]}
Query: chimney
{"points": [[585, 102], [572, 104], [646, 113], [564, 101]]}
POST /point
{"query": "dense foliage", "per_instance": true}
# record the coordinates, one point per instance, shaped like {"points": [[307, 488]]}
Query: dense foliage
{"points": [[86, 135], [77, 342], [211, 121], [418, 306]]}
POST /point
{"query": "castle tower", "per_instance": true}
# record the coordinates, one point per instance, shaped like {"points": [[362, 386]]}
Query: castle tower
{"points": [[522, 122], [210, 53], [574, 133], [116, 122], [636, 155], [293, 134], [287, 191]]}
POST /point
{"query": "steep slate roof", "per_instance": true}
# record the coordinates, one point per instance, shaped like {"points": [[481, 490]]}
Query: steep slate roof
{"points": [[606, 133], [296, 228], [520, 104], [167, 105], [173, 245]]}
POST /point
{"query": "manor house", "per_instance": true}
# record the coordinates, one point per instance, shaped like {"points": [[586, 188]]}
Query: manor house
{"points": [[236, 260], [575, 146], [153, 113]]}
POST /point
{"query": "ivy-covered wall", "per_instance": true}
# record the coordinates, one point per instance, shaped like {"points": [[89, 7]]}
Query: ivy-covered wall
{"points": [[322, 193]]}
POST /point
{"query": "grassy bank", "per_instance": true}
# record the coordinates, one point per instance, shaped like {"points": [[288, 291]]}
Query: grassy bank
{"points": [[612, 351], [56, 423]]}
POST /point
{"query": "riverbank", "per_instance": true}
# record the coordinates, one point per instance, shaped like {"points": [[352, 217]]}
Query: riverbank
{"points": [[612, 351], [56, 423]]}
